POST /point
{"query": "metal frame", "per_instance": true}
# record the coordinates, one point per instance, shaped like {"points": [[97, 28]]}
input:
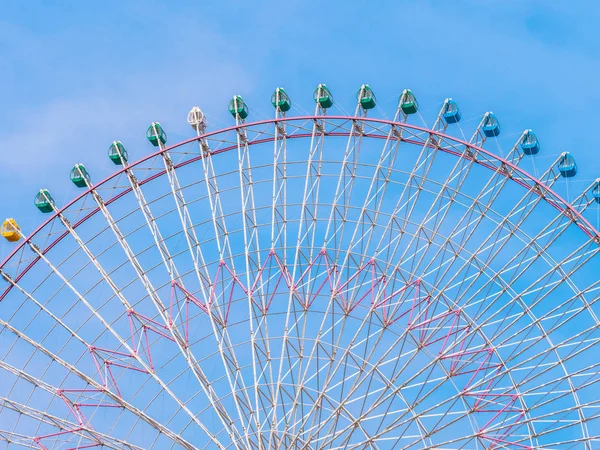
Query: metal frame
{"points": [[404, 293]]}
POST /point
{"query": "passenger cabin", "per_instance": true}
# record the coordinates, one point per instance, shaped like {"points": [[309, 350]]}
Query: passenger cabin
{"points": [[596, 191], [451, 113], [529, 143], [567, 166], [44, 201], [11, 230], [408, 102], [323, 96], [491, 126], [280, 100], [117, 153], [237, 107], [366, 97], [80, 176], [156, 135], [197, 120]]}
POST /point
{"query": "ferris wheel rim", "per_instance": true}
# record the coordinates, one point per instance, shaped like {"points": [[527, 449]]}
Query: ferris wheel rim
{"points": [[543, 190]]}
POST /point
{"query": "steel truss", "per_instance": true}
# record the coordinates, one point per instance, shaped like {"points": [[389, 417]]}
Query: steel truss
{"points": [[346, 282]]}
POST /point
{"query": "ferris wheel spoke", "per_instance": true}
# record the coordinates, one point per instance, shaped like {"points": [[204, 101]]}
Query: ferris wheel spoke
{"points": [[332, 369], [309, 282], [388, 382], [334, 230], [208, 289], [423, 432], [445, 418], [437, 212], [445, 301], [339, 365], [368, 216], [162, 311], [187, 225], [319, 422], [504, 361], [573, 344], [317, 348], [460, 234], [492, 280], [327, 404], [86, 345], [485, 247], [307, 229], [457, 176], [348, 396], [170, 325], [521, 210], [264, 277], [544, 289], [408, 198], [196, 119], [334, 433], [301, 377], [355, 424], [379, 363], [526, 261], [543, 293], [540, 371], [543, 336], [253, 265], [380, 179], [562, 417]]}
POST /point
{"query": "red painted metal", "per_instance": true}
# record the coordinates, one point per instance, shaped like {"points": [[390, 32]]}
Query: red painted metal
{"points": [[84, 424], [445, 330]]}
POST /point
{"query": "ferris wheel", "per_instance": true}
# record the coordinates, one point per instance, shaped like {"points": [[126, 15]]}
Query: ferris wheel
{"points": [[313, 281]]}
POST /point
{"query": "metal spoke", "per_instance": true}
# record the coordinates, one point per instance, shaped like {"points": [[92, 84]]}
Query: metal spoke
{"points": [[315, 282]]}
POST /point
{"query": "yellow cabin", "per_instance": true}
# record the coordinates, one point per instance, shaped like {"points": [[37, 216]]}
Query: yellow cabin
{"points": [[10, 230]]}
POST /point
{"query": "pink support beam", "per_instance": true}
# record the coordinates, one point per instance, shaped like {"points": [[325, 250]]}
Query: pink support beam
{"points": [[107, 358], [321, 258], [85, 429], [38, 439]]}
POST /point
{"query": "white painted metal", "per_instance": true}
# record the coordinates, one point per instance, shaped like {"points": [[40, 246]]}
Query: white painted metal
{"points": [[373, 285]]}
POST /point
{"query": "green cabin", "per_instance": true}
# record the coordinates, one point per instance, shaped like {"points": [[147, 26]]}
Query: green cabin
{"points": [[280, 100], [366, 97], [44, 201], [237, 107], [323, 96], [80, 176], [156, 135], [408, 102], [117, 153]]}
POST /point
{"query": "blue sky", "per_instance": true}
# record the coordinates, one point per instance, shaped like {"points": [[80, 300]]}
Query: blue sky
{"points": [[76, 75]]}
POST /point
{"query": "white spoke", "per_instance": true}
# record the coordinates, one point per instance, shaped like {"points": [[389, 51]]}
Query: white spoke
{"points": [[315, 282]]}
